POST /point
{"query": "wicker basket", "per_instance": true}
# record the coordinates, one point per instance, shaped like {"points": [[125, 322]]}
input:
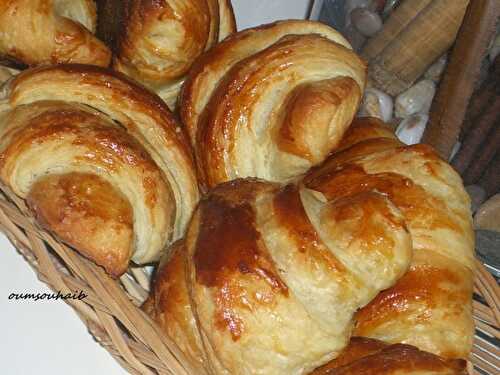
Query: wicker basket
{"points": [[112, 314]]}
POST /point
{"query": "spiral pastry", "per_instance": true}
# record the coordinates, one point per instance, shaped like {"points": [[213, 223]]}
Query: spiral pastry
{"points": [[36, 32], [268, 278], [270, 102], [430, 307], [100, 161], [159, 40]]}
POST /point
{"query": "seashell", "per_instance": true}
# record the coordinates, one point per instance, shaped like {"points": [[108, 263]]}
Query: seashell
{"points": [[417, 98], [350, 5], [411, 129], [436, 70], [366, 22], [495, 48], [488, 215], [378, 104], [477, 196]]}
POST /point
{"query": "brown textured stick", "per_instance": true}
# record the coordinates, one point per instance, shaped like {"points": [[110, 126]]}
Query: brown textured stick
{"points": [[450, 105], [483, 97], [402, 16], [484, 156], [490, 180], [475, 137], [416, 47]]}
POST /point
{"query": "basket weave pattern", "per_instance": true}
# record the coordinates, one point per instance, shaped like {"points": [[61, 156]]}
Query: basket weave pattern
{"points": [[112, 313]]}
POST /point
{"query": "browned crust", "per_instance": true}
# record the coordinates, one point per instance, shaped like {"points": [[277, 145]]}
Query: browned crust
{"points": [[126, 89], [200, 21], [229, 246], [71, 42], [87, 213], [365, 356]]}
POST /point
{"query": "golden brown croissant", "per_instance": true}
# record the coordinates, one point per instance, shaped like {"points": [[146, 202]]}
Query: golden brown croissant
{"points": [[270, 102], [159, 40], [268, 278], [430, 307], [100, 160], [372, 357], [35, 32]]}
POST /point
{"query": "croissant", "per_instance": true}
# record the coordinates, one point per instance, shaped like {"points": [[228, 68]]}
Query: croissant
{"points": [[270, 102], [268, 278], [371, 357], [156, 42], [430, 307], [35, 32], [100, 160]]}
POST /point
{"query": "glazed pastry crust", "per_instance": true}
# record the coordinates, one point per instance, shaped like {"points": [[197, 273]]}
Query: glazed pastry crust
{"points": [[431, 306], [372, 357], [63, 123], [270, 102], [41, 32], [270, 277], [160, 40]]}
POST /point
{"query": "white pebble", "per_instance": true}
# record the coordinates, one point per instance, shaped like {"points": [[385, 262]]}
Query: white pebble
{"points": [[411, 129], [366, 22], [378, 104], [417, 98], [350, 5]]}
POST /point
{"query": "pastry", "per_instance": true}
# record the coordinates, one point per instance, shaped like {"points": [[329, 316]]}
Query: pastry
{"points": [[431, 306], [42, 32], [271, 102], [157, 41], [371, 357], [268, 278], [100, 160]]}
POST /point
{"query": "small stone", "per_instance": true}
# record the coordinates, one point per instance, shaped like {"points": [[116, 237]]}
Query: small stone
{"points": [[378, 104], [488, 215], [487, 246], [366, 22], [436, 70], [411, 129], [354, 37], [417, 99], [495, 49], [350, 5], [477, 196]]}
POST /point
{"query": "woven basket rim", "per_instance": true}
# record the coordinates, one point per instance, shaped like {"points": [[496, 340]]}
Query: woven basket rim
{"points": [[131, 336]]}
